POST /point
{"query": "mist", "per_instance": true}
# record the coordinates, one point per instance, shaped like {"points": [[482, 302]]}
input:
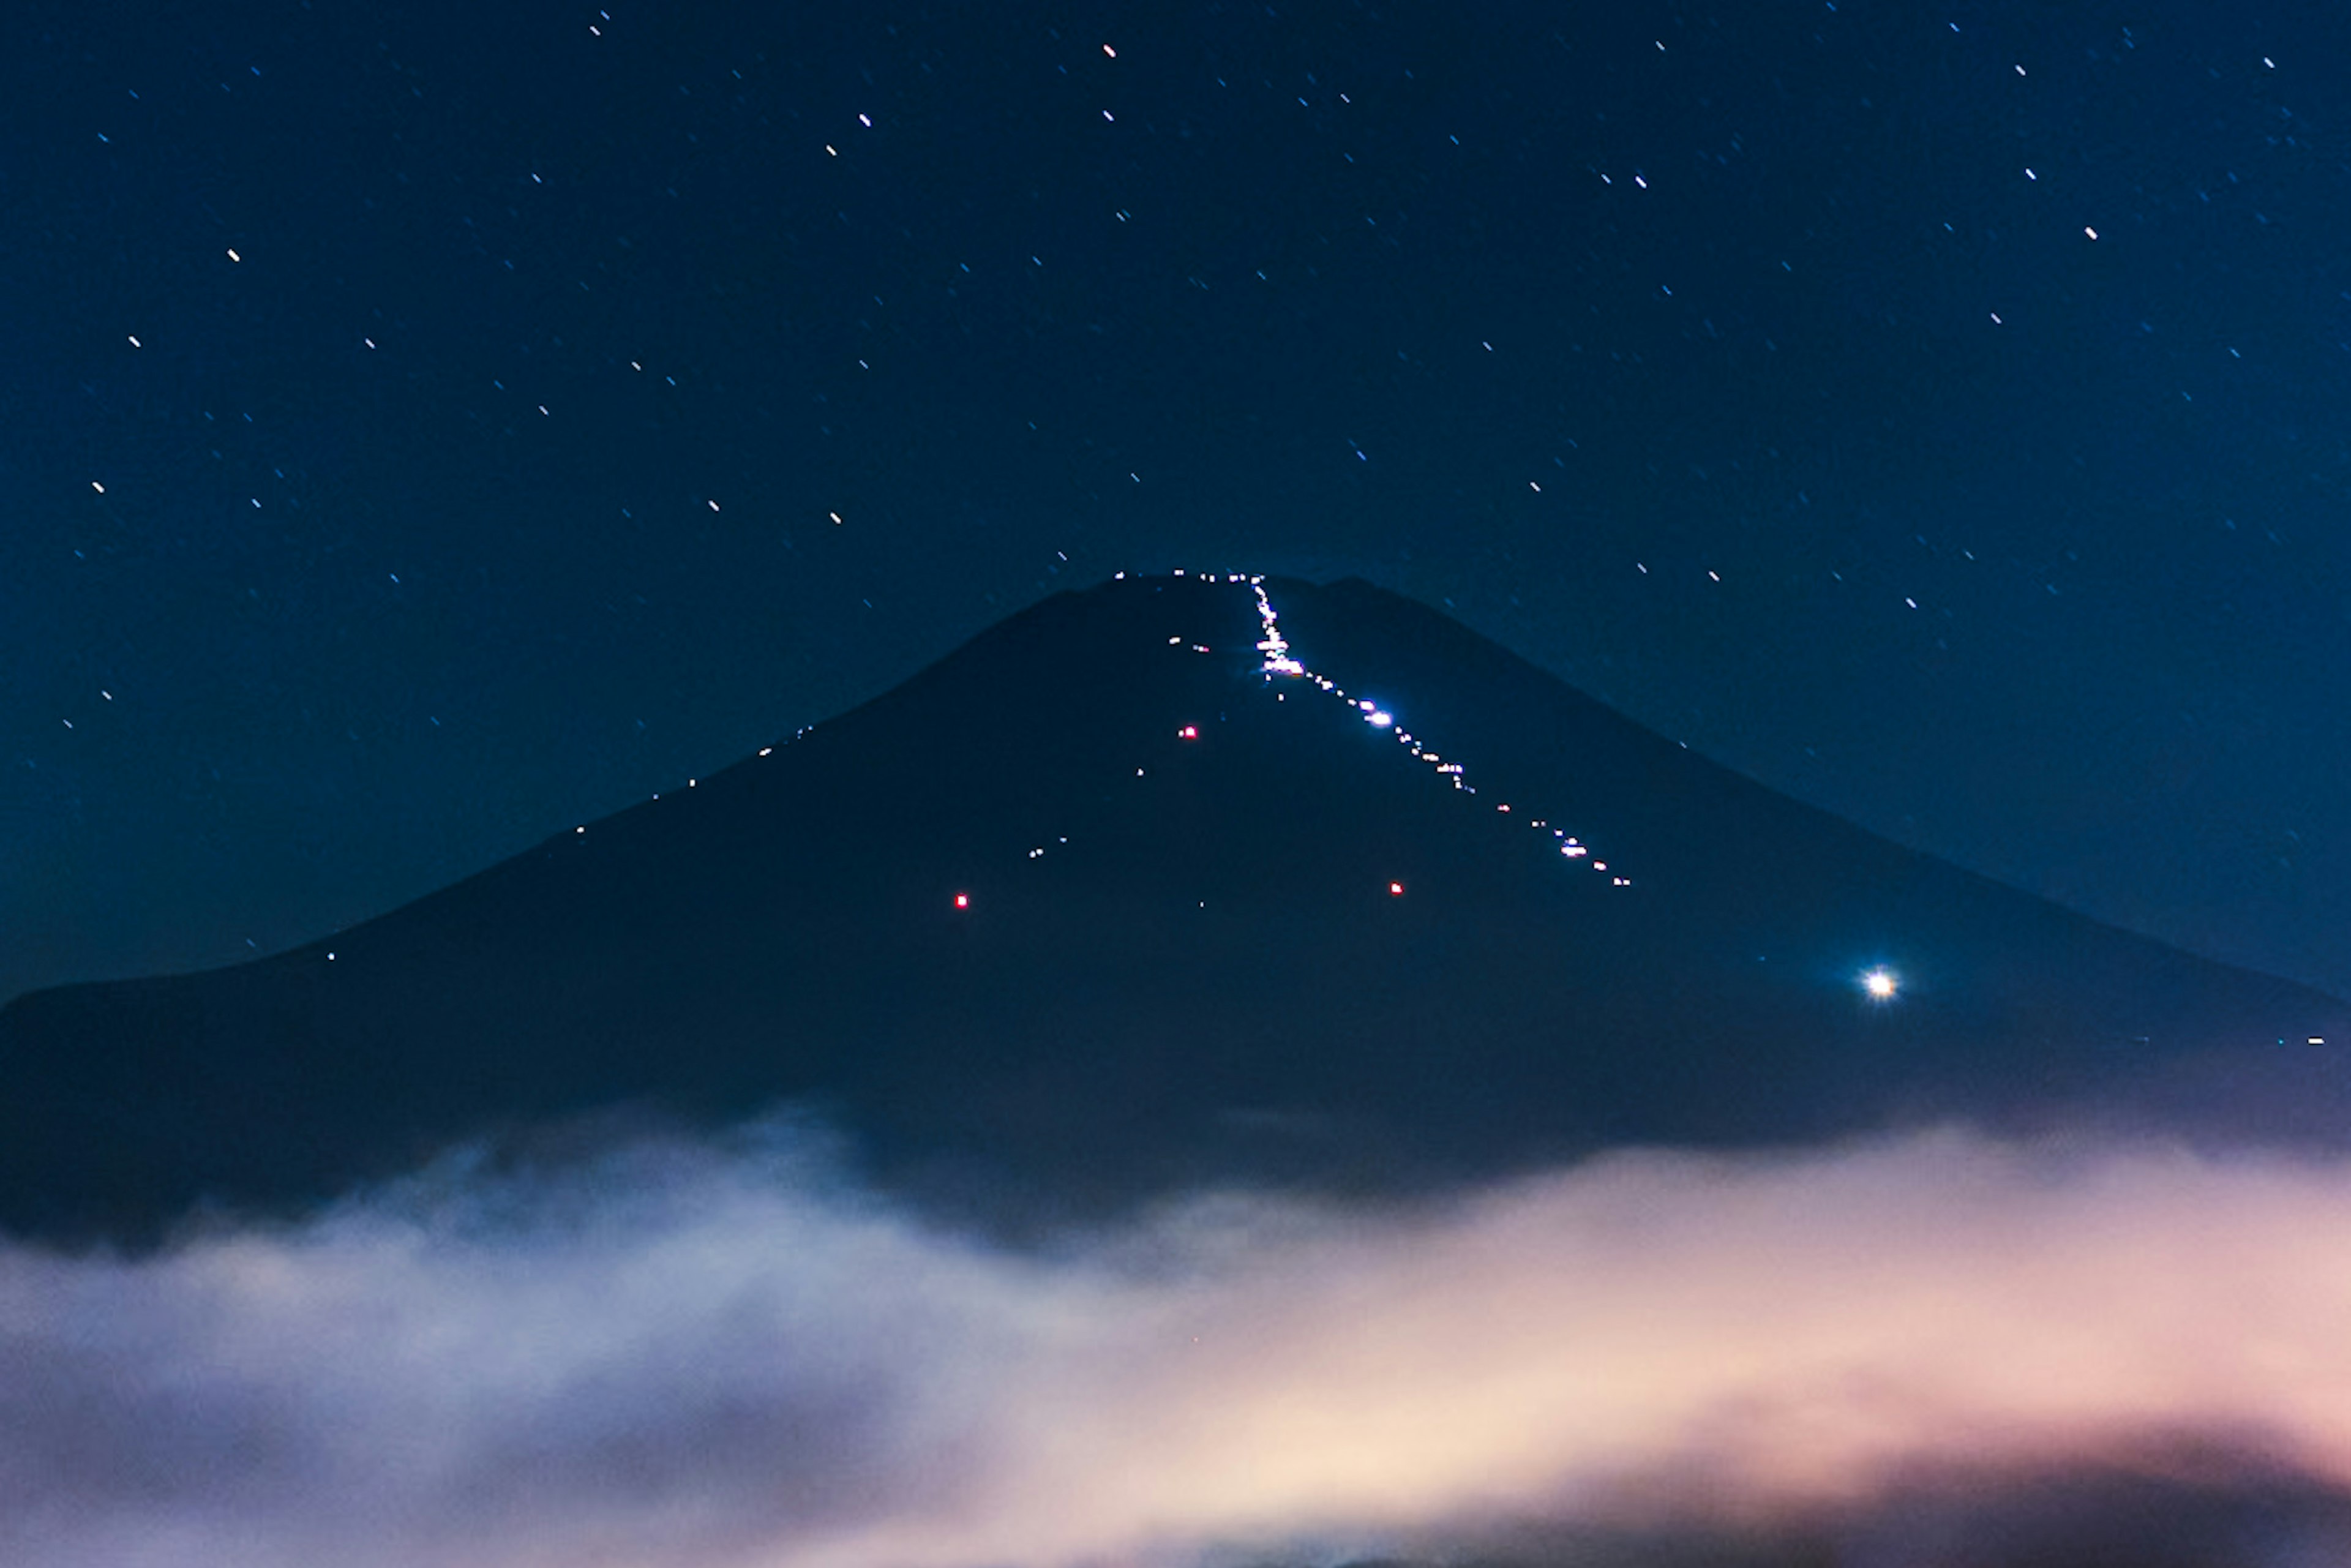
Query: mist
{"points": [[694, 1355]]}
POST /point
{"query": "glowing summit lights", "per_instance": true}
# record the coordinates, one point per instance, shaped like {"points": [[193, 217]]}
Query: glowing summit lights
{"points": [[1279, 660], [1273, 644]]}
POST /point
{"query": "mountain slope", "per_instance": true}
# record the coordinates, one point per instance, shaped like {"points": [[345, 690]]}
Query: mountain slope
{"points": [[1177, 956]]}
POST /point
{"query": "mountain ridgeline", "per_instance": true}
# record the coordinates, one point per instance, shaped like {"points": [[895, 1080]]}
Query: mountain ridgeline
{"points": [[1100, 906]]}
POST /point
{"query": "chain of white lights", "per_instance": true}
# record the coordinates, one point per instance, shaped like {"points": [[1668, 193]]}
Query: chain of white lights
{"points": [[1279, 663]]}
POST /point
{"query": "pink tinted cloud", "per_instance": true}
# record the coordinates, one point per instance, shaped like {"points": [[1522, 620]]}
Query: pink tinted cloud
{"points": [[687, 1359]]}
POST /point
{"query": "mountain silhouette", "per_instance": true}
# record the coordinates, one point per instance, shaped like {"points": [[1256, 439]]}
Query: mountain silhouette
{"points": [[1116, 898]]}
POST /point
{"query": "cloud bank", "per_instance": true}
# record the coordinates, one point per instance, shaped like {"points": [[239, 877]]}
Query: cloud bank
{"points": [[696, 1358]]}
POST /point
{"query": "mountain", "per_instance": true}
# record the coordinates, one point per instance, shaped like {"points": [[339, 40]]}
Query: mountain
{"points": [[1118, 897]]}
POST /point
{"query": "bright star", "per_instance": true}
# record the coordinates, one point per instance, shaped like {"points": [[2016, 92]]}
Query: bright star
{"points": [[1880, 984]]}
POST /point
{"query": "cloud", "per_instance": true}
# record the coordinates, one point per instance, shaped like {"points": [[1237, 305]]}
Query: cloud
{"points": [[693, 1356]]}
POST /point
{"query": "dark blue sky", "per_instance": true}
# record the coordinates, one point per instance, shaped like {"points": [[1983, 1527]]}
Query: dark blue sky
{"points": [[425, 426]]}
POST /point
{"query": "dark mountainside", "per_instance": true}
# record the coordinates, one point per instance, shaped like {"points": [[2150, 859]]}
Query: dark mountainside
{"points": [[1203, 976]]}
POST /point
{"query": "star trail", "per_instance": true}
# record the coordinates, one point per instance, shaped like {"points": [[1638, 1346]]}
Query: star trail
{"points": [[434, 430]]}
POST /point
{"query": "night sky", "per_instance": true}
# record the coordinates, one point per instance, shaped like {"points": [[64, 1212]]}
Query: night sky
{"points": [[428, 427]]}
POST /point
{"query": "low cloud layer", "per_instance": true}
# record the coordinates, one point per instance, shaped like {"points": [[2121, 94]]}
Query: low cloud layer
{"points": [[688, 1358]]}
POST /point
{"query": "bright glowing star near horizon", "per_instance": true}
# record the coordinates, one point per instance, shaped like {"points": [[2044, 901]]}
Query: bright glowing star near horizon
{"points": [[963, 901], [1880, 984], [1396, 890]]}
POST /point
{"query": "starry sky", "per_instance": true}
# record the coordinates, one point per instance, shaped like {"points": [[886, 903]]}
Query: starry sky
{"points": [[427, 427]]}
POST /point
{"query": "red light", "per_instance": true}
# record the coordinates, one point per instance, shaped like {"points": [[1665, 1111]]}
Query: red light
{"points": [[963, 901], [1190, 732], [1396, 890]]}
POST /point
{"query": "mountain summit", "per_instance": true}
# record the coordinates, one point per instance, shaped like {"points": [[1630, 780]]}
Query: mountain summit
{"points": [[1173, 880]]}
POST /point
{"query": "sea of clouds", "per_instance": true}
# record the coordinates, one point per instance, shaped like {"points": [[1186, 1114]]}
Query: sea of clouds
{"points": [[1933, 1348]]}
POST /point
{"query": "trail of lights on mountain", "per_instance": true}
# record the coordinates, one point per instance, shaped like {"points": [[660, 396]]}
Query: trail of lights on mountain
{"points": [[1277, 662], [1280, 663]]}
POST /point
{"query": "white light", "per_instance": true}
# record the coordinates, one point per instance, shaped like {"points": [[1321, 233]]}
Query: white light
{"points": [[1880, 984], [1278, 660]]}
